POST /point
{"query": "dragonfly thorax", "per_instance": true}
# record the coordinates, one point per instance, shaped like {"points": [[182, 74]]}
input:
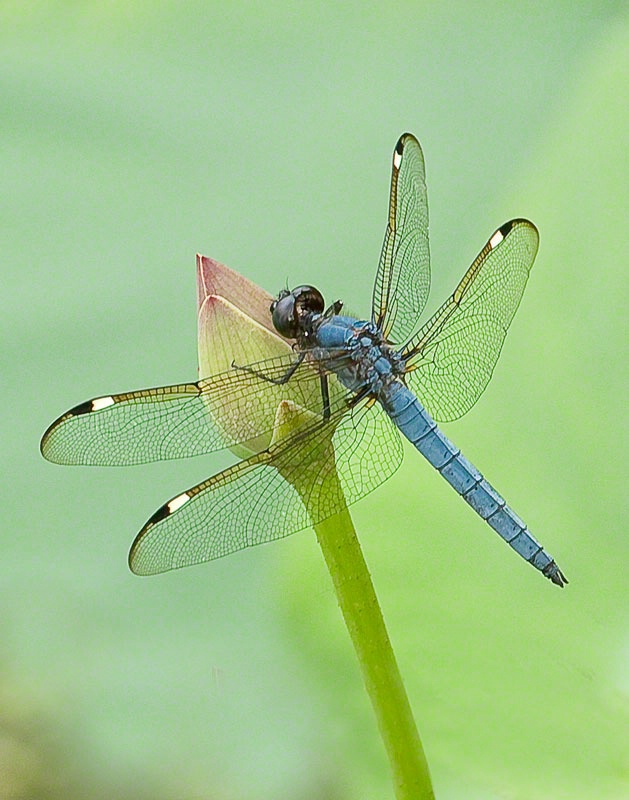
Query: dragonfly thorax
{"points": [[357, 352]]}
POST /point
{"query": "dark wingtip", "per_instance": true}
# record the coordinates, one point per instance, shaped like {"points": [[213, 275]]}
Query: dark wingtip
{"points": [[162, 512], [82, 408], [507, 227], [403, 139]]}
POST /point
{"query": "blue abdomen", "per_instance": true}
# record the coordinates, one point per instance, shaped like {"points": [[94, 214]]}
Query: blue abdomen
{"points": [[421, 430]]}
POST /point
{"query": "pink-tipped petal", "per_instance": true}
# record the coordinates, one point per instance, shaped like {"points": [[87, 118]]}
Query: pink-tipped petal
{"points": [[226, 336], [235, 328], [214, 278]]}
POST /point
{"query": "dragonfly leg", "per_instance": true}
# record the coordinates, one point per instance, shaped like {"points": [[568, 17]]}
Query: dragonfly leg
{"points": [[325, 396], [333, 310], [355, 400], [278, 381]]}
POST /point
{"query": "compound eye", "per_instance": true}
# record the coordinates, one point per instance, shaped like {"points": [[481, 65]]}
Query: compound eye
{"points": [[284, 322], [284, 293], [309, 299]]}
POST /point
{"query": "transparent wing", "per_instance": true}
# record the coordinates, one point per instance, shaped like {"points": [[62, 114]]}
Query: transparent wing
{"points": [[231, 408], [454, 354], [256, 501], [403, 279]]}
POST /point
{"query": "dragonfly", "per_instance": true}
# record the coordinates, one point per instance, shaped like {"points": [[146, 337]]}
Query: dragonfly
{"points": [[322, 422]]}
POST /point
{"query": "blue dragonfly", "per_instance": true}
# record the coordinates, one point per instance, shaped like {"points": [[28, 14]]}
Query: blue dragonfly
{"points": [[349, 386]]}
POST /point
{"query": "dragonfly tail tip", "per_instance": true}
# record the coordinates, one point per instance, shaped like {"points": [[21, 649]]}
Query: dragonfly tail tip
{"points": [[553, 572]]}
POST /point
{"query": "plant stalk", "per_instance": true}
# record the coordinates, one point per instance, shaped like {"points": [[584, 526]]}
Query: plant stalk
{"points": [[317, 482], [360, 608]]}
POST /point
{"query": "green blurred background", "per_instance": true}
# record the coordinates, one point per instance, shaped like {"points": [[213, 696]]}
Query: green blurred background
{"points": [[134, 135]]}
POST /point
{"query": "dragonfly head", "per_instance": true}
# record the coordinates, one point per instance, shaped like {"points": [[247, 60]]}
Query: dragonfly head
{"points": [[291, 309]]}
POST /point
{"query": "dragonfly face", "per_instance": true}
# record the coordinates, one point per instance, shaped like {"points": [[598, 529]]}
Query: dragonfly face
{"points": [[319, 440], [292, 311]]}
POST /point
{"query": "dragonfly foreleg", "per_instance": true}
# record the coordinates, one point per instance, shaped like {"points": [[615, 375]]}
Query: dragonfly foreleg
{"points": [[277, 381], [333, 310]]}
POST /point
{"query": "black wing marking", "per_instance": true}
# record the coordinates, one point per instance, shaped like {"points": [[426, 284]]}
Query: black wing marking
{"points": [[403, 279], [454, 354], [300, 480], [232, 408]]}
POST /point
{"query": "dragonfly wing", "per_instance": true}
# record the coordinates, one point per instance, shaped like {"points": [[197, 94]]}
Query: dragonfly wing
{"points": [[403, 278], [290, 486], [190, 419], [247, 504], [368, 450], [453, 355]]}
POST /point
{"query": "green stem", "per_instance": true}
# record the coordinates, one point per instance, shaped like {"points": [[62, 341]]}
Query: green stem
{"points": [[363, 617], [316, 480]]}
